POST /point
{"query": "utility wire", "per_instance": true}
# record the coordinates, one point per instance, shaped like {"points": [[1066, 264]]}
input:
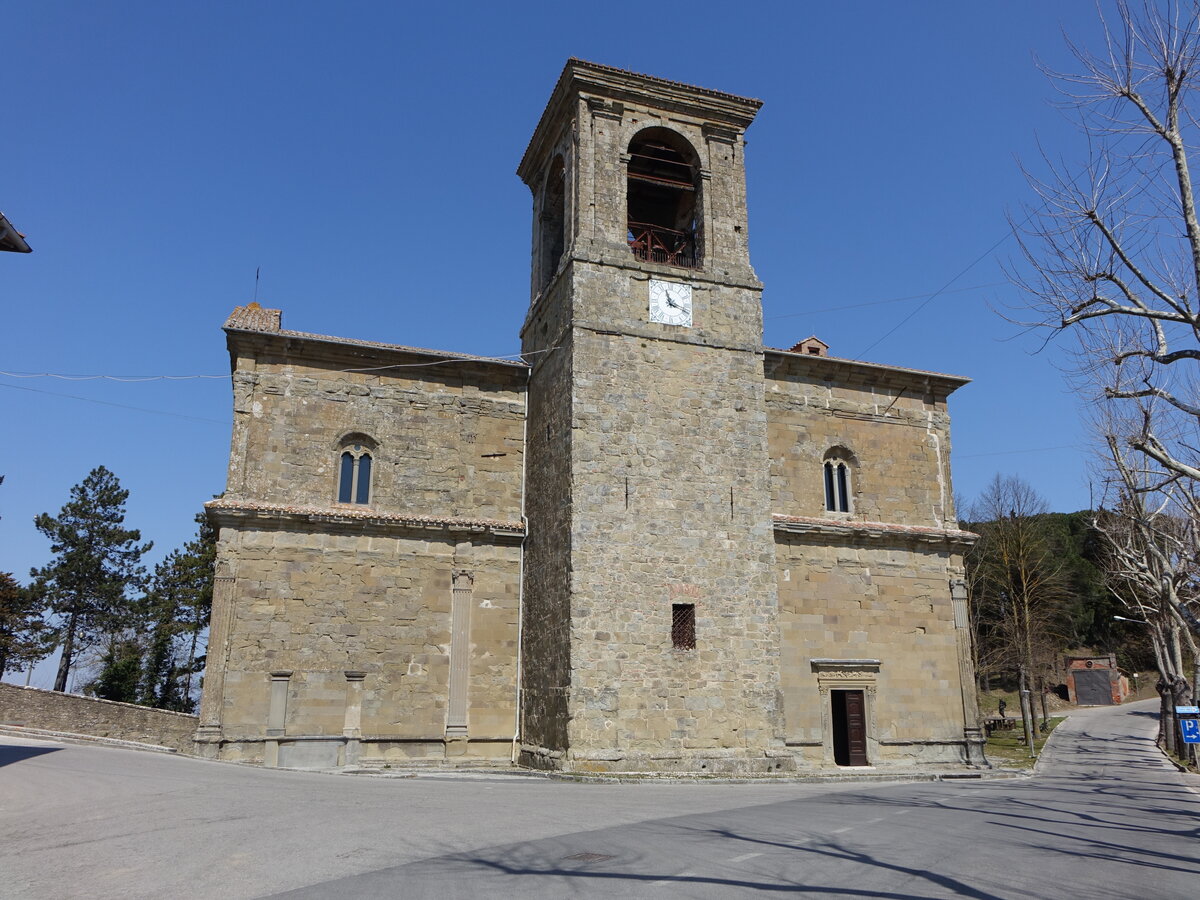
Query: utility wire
{"points": [[158, 412], [131, 379], [982, 256], [1033, 211], [122, 378], [1011, 452], [827, 309]]}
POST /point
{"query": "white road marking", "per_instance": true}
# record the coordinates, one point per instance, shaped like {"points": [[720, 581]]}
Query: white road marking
{"points": [[673, 878], [852, 827], [744, 857]]}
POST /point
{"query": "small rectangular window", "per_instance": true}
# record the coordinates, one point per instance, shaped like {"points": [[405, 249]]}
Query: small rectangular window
{"points": [[683, 626]]}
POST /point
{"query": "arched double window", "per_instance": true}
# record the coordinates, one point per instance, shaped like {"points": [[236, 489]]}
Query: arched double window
{"points": [[837, 473], [355, 461]]}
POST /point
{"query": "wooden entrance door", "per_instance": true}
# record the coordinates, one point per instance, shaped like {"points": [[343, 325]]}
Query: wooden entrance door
{"points": [[849, 728]]}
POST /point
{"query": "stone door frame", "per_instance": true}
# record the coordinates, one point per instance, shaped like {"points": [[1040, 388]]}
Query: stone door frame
{"points": [[847, 675]]}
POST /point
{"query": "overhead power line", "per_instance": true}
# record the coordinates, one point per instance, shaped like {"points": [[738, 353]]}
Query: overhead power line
{"points": [[123, 378], [157, 412], [1025, 450], [827, 309], [133, 379]]}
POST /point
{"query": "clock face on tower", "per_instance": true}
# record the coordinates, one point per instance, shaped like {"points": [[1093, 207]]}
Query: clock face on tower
{"points": [[670, 303]]}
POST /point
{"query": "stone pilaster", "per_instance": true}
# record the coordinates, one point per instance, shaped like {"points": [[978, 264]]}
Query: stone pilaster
{"points": [[208, 734], [460, 661], [972, 734], [276, 717], [352, 729]]}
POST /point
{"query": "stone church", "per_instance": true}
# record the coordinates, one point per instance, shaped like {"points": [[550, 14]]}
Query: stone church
{"points": [[651, 545]]}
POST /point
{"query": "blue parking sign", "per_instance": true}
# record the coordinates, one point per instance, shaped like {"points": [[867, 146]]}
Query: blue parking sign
{"points": [[1191, 730]]}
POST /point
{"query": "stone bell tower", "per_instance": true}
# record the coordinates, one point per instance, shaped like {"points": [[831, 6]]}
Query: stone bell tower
{"points": [[650, 638]]}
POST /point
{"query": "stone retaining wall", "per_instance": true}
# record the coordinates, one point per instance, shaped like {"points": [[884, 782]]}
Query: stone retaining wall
{"points": [[70, 713]]}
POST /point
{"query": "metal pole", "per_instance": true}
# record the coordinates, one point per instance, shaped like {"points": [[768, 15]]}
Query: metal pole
{"points": [[1027, 715]]}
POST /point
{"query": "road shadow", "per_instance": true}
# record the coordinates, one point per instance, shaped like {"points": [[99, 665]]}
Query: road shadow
{"points": [[13, 754], [466, 875]]}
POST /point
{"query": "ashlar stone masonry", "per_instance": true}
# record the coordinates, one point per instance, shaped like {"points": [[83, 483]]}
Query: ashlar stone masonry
{"points": [[653, 545]]}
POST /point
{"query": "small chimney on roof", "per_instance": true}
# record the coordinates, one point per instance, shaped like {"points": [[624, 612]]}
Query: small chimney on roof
{"points": [[812, 346]]}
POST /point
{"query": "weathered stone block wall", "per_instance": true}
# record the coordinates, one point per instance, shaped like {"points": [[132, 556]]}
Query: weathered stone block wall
{"points": [[896, 427], [449, 436], [545, 633], [320, 602], [866, 599], [70, 713], [669, 477]]}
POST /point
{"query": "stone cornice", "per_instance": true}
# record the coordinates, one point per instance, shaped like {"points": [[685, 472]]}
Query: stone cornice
{"points": [[875, 532], [585, 79], [228, 511]]}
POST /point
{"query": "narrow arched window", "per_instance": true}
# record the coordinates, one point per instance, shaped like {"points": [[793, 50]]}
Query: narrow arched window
{"points": [[836, 470], [664, 199], [553, 223], [346, 479], [354, 474]]}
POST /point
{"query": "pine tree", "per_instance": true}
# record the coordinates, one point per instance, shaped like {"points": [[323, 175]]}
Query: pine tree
{"points": [[23, 633], [120, 671], [96, 562], [178, 606]]}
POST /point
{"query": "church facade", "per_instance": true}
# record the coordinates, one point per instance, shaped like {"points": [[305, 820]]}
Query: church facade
{"points": [[652, 545]]}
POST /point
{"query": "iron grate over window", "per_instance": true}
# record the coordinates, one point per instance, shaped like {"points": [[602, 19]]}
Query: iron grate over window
{"points": [[683, 626]]}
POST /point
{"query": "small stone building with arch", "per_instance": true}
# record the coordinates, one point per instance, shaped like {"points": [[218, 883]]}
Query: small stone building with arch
{"points": [[651, 545]]}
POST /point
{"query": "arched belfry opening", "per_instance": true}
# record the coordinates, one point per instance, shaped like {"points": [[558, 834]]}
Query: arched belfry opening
{"points": [[553, 221], [664, 199]]}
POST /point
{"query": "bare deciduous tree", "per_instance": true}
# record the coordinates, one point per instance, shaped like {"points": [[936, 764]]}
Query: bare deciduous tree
{"points": [[1113, 247], [1152, 565], [1016, 585]]}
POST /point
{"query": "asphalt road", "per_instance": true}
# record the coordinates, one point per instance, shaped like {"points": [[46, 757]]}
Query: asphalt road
{"points": [[1104, 818]]}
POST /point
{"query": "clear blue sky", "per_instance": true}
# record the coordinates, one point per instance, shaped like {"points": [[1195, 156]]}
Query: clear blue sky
{"points": [[363, 155]]}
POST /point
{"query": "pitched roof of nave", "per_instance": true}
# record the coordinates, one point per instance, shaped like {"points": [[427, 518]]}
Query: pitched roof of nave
{"points": [[255, 319], [862, 370]]}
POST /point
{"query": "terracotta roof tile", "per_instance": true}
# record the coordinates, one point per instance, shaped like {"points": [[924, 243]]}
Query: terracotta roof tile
{"points": [[253, 317]]}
